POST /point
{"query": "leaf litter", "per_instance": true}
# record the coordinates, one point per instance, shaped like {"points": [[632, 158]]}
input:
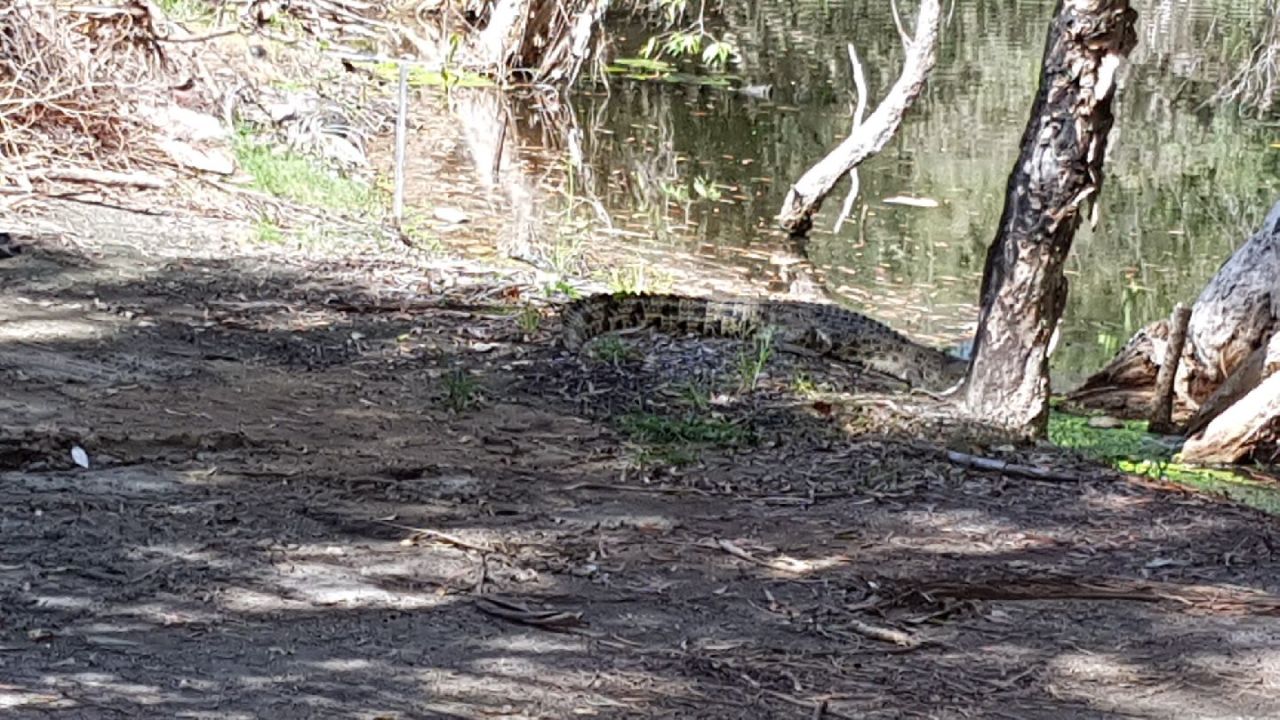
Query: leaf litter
{"points": [[285, 505]]}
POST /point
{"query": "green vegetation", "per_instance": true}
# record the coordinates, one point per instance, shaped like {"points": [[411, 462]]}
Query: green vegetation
{"points": [[687, 37], [697, 395], [662, 430], [461, 391], [641, 65], [561, 287], [702, 188], [568, 246], [804, 386], [420, 230], [676, 440], [187, 11], [635, 279], [529, 319], [267, 232], [1131, 449], [753, 358], [610, 349], [421, 77], [289, 175]]}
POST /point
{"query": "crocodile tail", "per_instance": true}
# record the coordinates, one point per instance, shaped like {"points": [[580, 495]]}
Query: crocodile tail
{"points": [[585, 318]]}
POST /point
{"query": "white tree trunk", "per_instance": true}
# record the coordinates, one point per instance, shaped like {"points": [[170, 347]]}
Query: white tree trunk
{"points": [[1237, 312]]}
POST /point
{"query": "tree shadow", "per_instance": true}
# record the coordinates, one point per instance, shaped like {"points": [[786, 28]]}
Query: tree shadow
{"points": [[300, 486]]}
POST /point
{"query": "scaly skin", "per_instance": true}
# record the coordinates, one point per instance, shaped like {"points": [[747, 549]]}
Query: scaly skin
{"points": [[825, 329]]}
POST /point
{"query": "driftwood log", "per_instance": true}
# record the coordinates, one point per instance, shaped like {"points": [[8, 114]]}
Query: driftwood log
{"points": [[1228, 383], [867, 138], [1247, 430], [1235, 315], [1058, 174]]}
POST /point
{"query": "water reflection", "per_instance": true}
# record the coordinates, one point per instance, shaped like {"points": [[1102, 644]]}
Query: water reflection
{"points": [[1185, 184]]}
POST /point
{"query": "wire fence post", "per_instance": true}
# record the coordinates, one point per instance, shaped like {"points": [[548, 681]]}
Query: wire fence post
{"points": [[402, 112]]}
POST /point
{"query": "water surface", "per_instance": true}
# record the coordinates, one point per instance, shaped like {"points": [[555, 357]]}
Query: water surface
{"points": [[1186, 182]]}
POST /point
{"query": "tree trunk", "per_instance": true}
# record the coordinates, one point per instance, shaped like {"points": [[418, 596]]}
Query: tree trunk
{"points": [[1059, 168], [1246, 377], [546, 41], [489, 131]]}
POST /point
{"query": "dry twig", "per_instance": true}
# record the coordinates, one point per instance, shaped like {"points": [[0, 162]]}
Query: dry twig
{"points": [[1008, 468]]}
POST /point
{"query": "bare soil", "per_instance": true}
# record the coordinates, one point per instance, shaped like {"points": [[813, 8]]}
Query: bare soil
{"points": [[366, 488]]}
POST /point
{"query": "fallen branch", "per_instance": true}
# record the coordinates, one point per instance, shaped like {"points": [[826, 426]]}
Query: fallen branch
{"points": [[1008, 468], [100, 177], [553, 620], [883, 634], [738, 552], [438, 536], [806, 195], [1206, 598], [859, 115]]}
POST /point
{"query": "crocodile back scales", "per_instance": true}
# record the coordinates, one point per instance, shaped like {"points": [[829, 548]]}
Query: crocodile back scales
{"points": [[826, 329]]}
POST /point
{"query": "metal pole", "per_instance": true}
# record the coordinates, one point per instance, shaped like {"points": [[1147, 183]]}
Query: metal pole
{"points": [[402, 112]]}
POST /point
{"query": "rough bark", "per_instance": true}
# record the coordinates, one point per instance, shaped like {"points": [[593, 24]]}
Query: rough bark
{"points": [[1236, 313], [1162, 404], [868, 138], [1058, 170], [1124, 387]]}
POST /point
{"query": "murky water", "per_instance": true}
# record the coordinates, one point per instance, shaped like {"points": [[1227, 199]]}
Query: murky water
{"points": [[1185, 182]]}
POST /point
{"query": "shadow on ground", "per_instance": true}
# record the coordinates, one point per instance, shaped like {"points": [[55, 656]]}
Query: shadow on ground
{"points": [[323, 490]]}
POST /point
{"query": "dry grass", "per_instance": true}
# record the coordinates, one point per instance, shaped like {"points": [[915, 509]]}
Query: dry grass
{"points": [[68, 81]]}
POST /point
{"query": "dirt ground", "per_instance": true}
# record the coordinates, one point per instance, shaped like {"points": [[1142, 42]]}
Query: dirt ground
{"points": [[373, 489]]}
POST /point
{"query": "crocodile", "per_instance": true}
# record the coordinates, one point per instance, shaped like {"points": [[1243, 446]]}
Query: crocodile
{"points": [[826, 330]]}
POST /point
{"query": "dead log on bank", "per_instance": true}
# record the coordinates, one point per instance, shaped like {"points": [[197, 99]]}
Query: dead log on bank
{"points": [[1235, 316], [1059, 169], [867, 138], [1247, 430], [1237, 312]]}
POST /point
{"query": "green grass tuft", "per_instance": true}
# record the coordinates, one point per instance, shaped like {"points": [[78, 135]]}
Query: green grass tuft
{"points": [[295, 177], [610, 349], [267, 232], [461, 391], [691, 430], [187, 11], [753, 358]]}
